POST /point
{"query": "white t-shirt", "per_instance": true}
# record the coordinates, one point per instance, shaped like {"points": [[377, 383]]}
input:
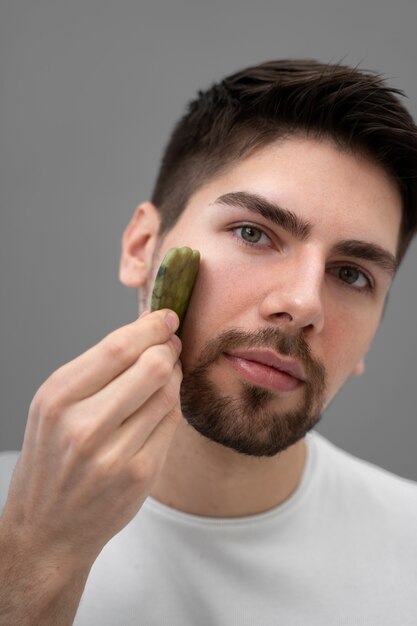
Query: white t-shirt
{"points": [[342, 550]]}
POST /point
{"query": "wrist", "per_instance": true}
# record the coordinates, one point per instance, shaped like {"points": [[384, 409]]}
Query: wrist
{"points": [[37, 586], [44, 560]]}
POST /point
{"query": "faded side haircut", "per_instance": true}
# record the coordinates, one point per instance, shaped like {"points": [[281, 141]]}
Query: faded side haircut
{"points": [[278, 99]]}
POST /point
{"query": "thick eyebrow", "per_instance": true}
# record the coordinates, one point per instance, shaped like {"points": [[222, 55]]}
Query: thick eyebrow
{"points": [[301, 229], [270, 211], [369, 252]]}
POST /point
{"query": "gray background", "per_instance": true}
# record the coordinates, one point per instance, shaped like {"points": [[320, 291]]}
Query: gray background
{"points": [[89, 91]]}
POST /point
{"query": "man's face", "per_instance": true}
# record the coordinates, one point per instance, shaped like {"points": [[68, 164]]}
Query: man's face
{"points": [[286, 304]]}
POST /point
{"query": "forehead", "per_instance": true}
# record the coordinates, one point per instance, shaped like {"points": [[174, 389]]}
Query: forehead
{"points": [[343, 195]]}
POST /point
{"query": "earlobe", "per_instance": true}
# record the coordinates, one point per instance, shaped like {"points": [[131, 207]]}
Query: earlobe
{"points": [[138, 244], [359, 369]]}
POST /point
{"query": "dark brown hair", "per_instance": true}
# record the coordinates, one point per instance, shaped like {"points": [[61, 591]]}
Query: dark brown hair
{"points": [[279, 99]]}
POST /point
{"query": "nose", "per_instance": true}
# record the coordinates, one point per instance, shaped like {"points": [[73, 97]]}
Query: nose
{"points": [[294, 297]]}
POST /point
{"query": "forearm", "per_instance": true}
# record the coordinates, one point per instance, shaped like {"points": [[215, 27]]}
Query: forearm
{"points": [[37, 590]]}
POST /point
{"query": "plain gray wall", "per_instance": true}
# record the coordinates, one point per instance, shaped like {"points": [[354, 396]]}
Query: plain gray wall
{"points": [[89, 91]]}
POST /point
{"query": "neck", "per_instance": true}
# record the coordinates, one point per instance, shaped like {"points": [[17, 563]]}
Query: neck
{"points": [[204, 478]]}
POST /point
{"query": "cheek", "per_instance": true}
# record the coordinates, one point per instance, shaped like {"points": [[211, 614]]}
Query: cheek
{"points": [[347, 341], [219, 301]]}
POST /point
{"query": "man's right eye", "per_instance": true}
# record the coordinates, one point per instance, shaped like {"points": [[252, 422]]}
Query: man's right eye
{"points": [[250, 235]]}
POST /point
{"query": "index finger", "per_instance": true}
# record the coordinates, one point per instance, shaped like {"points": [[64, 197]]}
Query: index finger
{"points": [[98, 366]]}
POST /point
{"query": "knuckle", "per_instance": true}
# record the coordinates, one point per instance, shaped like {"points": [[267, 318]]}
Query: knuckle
{"points": [[158, 363], [117, 346], [49, 406], [79, 438], [107, 466], [48, 400], [158, 327], [58, 382], [54, 410]]}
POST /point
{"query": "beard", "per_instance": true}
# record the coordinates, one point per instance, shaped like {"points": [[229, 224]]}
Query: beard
{"points": [[251, 422]]}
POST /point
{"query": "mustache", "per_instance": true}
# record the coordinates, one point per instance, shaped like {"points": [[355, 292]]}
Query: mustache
{"points": [[290, 345]]}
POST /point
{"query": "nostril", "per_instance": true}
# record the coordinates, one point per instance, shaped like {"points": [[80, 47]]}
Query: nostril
{"points": [[284, 315]]}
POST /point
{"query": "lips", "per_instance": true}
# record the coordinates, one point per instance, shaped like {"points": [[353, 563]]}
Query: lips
{"points": [[267, 368], [272, 359]]}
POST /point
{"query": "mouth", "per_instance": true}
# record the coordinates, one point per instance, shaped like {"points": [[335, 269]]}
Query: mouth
{"points": [[266, 368]]}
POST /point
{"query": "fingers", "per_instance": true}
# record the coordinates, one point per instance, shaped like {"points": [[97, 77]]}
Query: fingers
{"points": [[98, 431], [127, 393], [136, 430], [146, 465], [95, 368]]}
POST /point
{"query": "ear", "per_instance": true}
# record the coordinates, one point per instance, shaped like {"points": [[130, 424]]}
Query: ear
{"points": [[138, 243], [359, 369]]}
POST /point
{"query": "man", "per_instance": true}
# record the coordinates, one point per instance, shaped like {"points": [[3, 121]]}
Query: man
{"points": [[167, 481]]}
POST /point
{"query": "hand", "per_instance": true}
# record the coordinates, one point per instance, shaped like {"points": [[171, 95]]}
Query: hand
{"points": [[97, 436]]}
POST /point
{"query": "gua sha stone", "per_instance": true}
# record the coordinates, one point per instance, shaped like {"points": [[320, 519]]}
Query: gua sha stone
{"points": [[175, 280]]}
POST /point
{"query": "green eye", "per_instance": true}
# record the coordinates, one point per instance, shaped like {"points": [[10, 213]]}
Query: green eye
{"points": [[349, 274], [352, 276], [250, 234]]}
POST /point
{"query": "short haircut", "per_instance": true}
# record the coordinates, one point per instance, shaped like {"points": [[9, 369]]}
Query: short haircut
{"points": [[354, 108]]}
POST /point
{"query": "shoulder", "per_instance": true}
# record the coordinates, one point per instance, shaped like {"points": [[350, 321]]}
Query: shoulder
{"points": [[361, 482], [8, 461]]}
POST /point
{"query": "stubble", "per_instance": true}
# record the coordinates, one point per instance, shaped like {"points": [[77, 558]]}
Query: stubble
{"points": [[252, 422]]}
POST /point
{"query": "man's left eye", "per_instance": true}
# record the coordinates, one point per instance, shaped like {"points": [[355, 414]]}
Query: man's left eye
{"points": [[352, 276]]}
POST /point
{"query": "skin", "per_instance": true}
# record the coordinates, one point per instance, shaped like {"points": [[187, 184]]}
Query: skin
{"points": [[97, 435], [343, 196], [106, 430]]}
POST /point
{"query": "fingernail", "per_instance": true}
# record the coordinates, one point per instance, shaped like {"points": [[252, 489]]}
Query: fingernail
{"points": [[172, 321]]}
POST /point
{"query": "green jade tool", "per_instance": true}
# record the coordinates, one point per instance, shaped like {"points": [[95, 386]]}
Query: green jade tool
{"points": [[175, 280]]}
